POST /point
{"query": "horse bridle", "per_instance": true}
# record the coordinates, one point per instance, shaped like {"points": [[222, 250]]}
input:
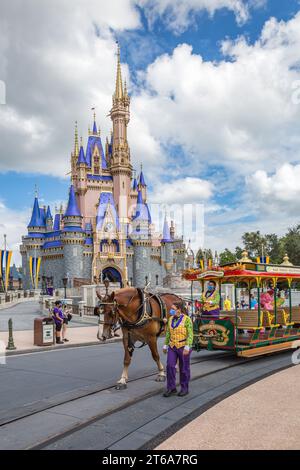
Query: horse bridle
{"points": [[114, 310]]}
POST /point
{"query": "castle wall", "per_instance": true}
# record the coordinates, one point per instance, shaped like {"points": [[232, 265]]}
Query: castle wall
{"points": [[53, 267], [87, 267], [73, 260]]}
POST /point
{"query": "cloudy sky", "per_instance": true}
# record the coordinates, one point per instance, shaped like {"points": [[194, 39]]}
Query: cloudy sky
{"points": [[215, 104]]}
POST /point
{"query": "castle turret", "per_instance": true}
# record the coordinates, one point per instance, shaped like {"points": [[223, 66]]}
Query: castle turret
{"points": [[120, 165], [141, 240], [49, 220], [32, 242], [73, 238], [142, 184]]}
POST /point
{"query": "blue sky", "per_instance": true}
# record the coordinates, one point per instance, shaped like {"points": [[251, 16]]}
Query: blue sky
{"points": [[223, 147]]}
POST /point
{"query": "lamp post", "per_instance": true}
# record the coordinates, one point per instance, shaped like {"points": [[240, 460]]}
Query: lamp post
{"points": [[65, 283], [106, 284]]}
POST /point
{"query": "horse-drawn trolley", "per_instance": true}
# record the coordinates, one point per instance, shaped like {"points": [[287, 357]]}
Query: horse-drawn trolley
{"points": [[273, 324]]}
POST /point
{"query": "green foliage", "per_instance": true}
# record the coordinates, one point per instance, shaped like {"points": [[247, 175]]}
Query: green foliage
{"points": [[257, 245]]}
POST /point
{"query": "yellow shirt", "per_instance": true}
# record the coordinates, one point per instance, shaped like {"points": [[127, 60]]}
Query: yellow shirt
{"points": [[227, 305], [180, 336]]}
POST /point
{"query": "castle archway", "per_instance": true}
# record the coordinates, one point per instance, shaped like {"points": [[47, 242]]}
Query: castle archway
{"points": [[112, 274]]}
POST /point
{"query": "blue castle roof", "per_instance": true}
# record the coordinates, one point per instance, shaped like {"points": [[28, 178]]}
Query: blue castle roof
{"points": [[56, 225], [95, 128], [81, 157], [166, 232], [48, 215], [142, 211], [106, 199], [72, 209], [38, 215], [134, 186], [94, 140], [142, 179]]}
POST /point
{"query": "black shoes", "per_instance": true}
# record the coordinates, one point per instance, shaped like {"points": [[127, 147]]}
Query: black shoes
{"points": [[65, 340], [182, 394], [169, 393], [59, 342]]}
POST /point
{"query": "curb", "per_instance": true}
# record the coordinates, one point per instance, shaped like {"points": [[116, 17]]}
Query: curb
{"points": [[60, 347]]}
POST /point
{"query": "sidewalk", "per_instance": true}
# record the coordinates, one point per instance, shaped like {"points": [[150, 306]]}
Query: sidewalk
{"points": [[78, 336], [263, 416]]}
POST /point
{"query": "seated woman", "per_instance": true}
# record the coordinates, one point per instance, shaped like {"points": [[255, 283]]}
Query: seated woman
{"points": [[211, 300]]}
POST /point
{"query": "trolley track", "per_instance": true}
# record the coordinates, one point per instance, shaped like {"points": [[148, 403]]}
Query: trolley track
{"points": [[42, 406], [140, 403]]}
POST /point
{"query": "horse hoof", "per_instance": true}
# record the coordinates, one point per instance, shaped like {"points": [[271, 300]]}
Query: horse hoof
{"points": [[121, 387], [160, 378]]}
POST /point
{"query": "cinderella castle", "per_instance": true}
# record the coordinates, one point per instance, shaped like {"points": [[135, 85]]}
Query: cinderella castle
{"points": [[106, 230]]}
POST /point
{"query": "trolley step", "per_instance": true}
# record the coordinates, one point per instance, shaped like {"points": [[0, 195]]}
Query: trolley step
{"points": [[269, 349]]}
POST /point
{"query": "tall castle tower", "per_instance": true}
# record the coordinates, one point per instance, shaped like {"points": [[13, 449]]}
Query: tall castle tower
{"points": [[120, 165]]}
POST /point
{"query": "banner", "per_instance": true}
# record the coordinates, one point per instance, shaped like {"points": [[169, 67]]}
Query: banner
{"points": [[34, 269], [5, 261]]}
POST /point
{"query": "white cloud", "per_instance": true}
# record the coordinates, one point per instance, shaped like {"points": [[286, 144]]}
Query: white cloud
{"points": [[238, 113], [14, 225], [55, 69], [182, 191], [179, 15], [279, 191]]}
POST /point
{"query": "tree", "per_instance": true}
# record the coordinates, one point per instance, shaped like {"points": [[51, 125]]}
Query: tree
{"points": [[291, 244], [227, 256]]}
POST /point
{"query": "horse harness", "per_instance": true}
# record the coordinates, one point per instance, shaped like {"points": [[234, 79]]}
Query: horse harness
{"points": [[145, 313]]}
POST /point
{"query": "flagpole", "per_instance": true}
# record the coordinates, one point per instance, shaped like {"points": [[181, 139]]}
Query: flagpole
{"points": [[4, 264]]}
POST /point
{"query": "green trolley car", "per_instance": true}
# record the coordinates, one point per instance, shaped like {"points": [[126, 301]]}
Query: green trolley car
{"points": [[248, 332]]}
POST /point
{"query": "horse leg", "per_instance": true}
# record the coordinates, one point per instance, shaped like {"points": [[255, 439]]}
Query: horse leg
{"points": [[154, 351], [122, 383]]}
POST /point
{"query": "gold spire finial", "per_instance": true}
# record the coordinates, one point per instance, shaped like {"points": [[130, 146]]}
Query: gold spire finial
{"points": [[245, 258], [76, 149], [119, 86], [286, 261], [36, 193], [81, 141]]}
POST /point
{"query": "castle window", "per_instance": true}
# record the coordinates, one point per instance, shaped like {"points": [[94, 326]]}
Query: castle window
{"points": [[144, 253], [146, 280], [96, 170], [156, 276]]}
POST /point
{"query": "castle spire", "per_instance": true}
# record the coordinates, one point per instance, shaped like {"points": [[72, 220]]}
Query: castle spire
{"points": [[76, 147], [72, 209], [95, 131], [119, 86], [81, 157], [35, 220], [166, 232]]}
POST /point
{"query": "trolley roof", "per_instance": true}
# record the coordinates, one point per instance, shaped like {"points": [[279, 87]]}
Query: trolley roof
{"points": [[234, 272]]}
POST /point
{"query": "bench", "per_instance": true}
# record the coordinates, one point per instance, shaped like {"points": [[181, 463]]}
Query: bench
{"points": [[247, 319], [296, 315]]}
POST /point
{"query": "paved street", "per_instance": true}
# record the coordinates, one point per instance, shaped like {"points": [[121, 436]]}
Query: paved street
{"points": [[24, 313], [29, 378]]}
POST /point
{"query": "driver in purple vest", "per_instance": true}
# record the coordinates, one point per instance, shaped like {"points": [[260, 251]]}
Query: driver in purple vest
{"points": [[178, 345]]}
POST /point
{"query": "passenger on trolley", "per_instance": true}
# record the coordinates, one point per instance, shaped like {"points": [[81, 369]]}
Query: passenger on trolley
{"points": [[211, 300]]}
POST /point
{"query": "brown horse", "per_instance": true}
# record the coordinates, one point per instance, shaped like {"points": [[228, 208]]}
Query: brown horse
{"points": [[138, 323]]}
